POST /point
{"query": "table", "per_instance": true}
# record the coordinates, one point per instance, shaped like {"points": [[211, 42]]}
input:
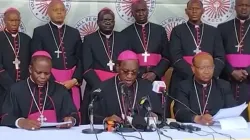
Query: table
{"points": [[75, 134]]}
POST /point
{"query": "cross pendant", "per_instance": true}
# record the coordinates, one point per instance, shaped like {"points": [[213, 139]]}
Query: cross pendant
{"points": [[42, 119], [58, 53], [145, 55], [197, 50], [111, 65], [16, 63], [238, 47]]}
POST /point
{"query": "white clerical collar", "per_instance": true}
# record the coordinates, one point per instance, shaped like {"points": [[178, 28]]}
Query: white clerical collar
{"points": [[13, 35], [143, 25], [107, 36], [58, 26]]}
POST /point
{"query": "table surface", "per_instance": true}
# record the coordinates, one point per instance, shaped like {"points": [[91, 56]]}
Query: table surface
{"points": [[74, 133]]}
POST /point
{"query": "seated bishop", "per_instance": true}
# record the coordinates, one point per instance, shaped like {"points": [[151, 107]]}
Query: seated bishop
{"points": [[37, 99], [202, 96], [122, 95]]}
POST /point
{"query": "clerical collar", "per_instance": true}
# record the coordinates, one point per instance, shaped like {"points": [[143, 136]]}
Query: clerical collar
{"points": [[107, 36], [13, 35], [241, 20], [195, 25], [143, 25], [58, 26], [33, 82], [203, 85]]}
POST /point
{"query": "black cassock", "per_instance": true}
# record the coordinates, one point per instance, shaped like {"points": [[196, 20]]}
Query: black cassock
{"points": [[208, 99], [112, 102], [97, 51], [237, 59], [151, 38], [183, 40], [19, 103], [12, 47], [66, 64]]}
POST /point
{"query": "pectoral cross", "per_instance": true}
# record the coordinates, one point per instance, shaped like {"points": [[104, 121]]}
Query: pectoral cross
{"points": [[145, 55], [111, 65], [16, 63], [42, 119], [197, 50], [238, 47], [58, 53]]}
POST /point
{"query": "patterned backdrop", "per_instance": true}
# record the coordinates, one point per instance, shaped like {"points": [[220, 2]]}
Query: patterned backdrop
{"points": [[81, 14]]}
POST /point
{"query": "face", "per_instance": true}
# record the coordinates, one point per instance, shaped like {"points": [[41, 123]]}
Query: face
{"points": [[128, 71], [106, 22], [140, 12], [242, 8], [203, 69], [57, 13], [12, 21], [194, 11], [40, 71]]}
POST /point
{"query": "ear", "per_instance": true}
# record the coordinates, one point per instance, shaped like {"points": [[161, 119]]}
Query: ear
{"points": [[202, 10], [117, 67], [186, 11], [193, 68], [30, 69]]}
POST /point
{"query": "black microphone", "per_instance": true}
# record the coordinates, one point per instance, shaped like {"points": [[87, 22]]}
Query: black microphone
{"points": [[183, 127], [145, 103], [95, 95]]}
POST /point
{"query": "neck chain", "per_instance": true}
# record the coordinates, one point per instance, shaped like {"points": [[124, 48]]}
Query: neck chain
{"points": [[13, 48], [112, 47], [149, 31], [34, 99], [118, 97], [202, 112], [61, 39], [197, 44], [236, 34]]}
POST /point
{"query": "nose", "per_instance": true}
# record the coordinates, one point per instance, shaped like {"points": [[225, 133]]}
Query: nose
{"points": [[129, 76], [42, 76]]}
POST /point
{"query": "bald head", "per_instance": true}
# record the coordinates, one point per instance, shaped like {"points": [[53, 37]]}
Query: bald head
{"points": [[36, 59], [136, 2], [105, 11], [12, 20], [201, 57], [57, 11], [190, 2]]}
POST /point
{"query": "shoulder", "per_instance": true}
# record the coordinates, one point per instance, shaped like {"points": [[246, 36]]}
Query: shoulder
{"points": [[40, 28], [57, 88], [209, 27], [157, 26], [225, 25], [108, 83], [18, 87], [72, 29], [128, 29], [185, 84], [180, 26], [222, 83], [144, 83], [91, 36], [25, 36]]}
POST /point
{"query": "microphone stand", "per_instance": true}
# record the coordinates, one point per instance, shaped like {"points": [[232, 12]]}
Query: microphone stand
{"points": [[92, 130], [163, 122]]}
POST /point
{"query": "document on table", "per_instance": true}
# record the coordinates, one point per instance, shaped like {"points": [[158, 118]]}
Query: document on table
{"points": [[50, 124], [229, 118], [230, 112]]}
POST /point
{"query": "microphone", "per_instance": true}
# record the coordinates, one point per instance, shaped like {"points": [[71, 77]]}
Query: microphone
{"points": [[92, 130], [145, 103], [183, 127], [160, 87]]}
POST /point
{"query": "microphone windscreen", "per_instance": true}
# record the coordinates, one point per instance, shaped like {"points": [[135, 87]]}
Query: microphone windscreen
{"points": [[139, 123]]}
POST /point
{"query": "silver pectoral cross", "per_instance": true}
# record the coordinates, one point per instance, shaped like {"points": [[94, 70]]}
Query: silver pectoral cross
{"points": [[58, 53], [145, 55], [42, 119], [238, 47], [197, 50], [16, 62], [111, 65]]}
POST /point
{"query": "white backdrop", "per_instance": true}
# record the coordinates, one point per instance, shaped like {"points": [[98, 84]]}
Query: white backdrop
{"points": [[82, 13]]}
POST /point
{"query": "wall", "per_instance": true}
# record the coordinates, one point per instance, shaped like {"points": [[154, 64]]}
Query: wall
{"points": [[82, 13]]}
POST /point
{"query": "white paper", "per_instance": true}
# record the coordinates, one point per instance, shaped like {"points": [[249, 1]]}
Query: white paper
{"points": [[229, 112], [49, 124], [233, 123]]}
